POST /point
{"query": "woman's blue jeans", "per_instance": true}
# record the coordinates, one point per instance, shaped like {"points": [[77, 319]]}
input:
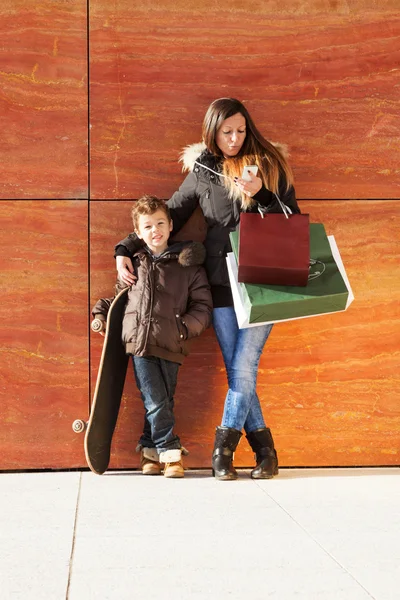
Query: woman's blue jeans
{"points": [[241, 350]]}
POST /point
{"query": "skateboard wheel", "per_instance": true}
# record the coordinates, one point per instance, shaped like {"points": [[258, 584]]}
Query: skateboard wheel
{"points": [[97, 325], [78, 425]]}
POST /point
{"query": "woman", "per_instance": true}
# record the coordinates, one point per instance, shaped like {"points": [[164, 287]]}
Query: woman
{"points": [[231, 141]]}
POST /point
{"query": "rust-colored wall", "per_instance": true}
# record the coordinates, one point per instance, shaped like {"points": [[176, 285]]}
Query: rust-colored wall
{"points": [[44, 332], [320, 76], [43, 102]]}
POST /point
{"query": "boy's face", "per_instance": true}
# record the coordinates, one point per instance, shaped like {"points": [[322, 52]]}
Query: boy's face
{"points": [[154, 230]]}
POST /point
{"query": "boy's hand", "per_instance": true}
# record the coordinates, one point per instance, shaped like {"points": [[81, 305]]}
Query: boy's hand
{"points": [[98, 326], [125, 270]]}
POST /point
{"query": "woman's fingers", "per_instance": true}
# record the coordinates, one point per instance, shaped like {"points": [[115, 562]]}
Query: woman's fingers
{"points": [[125, 270], [126, 276], [124, 262], [249, 187]]}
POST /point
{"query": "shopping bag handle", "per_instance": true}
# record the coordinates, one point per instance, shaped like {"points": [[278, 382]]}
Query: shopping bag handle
{"points": [[285, 209]]}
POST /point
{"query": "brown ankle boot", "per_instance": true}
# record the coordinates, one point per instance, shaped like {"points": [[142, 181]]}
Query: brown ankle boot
{"points": [[149, 462], [173, 463]]}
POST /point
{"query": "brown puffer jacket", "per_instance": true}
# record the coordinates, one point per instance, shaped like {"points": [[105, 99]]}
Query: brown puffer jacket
{"points": [[169, 304]]}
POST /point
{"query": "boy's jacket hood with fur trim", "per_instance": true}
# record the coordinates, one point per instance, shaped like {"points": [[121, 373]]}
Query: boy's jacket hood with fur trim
{"points": [[188, 254]]}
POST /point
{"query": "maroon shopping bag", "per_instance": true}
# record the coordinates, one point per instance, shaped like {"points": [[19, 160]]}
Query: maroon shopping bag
{"points": [[274, 249]]}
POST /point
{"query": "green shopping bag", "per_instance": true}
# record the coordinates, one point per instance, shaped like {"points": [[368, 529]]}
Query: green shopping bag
{"points": [[327, 291]]}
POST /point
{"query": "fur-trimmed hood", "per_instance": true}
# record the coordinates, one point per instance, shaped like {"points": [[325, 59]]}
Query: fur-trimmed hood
{"points": [[193, 152], [193, 253], [188, 254]]}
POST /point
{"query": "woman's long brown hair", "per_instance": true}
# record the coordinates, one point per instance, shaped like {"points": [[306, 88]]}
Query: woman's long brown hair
{"points": [[256, 150]]}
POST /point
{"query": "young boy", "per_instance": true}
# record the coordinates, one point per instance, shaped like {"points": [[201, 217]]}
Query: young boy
{"points": [[169, 303]]}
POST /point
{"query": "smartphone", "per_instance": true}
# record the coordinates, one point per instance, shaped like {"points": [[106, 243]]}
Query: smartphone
{"points": [[252, 168]]}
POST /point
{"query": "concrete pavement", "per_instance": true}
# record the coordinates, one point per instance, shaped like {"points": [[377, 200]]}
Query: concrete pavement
{"points": [[326, 534]]}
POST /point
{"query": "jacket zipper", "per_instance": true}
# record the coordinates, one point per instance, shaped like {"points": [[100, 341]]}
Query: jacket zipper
{"points": [[152, 272], [211, 201]]}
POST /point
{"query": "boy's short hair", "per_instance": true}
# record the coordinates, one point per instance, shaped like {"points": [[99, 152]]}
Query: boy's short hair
{"points": [[148, 205]]}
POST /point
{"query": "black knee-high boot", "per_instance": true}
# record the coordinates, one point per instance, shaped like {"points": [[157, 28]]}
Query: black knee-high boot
{"points": [[226, 441], [262, 445]]}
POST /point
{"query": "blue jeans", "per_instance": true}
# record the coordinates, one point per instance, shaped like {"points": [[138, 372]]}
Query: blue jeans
{"points": [[241, 350], [156, 380]]}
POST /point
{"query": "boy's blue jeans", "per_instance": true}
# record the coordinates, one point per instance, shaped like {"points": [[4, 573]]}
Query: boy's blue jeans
{"points": [[156, 380], [241, 350]]}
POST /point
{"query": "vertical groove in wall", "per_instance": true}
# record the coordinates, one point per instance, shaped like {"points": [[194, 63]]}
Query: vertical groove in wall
{"points": [[88, 308], [88, 184], [88, 87]]}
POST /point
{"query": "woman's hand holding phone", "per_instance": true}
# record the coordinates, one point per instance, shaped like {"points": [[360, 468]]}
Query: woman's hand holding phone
{"points": [[249, 183]]}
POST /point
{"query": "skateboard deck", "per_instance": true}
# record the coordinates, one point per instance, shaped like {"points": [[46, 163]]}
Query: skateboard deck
{"points": [[108, 391]]}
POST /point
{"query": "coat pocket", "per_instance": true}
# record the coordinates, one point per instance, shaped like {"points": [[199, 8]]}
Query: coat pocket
{"points": [[215, 262], [130, 327], [181, 326]]}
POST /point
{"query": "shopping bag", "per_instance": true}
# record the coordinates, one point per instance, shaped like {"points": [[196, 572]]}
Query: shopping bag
{"points": [[328, 289], [274, 249]]}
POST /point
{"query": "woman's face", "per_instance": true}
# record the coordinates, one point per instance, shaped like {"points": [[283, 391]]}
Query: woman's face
{"points": [[231, 135]]}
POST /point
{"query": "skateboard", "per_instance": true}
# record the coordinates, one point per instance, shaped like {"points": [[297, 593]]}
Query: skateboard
{"points": [[108, 391]]}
